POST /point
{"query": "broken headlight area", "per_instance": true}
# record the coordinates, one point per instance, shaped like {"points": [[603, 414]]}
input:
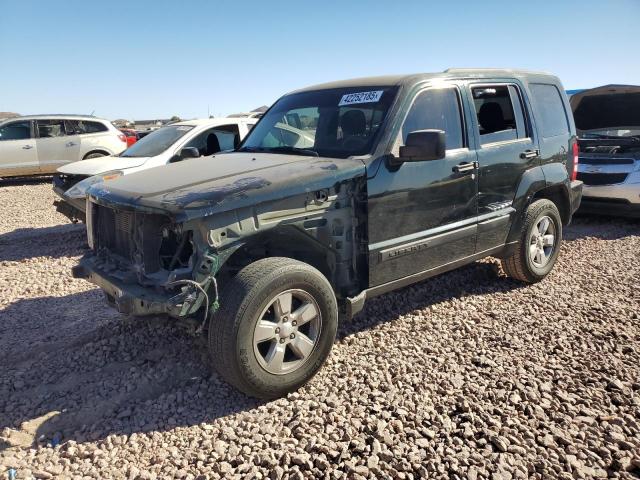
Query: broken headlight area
{"points": [[64, 181], [148, 247], [146, 264]]}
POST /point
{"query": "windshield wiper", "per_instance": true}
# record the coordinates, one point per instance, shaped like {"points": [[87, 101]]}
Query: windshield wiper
{"points": [[283, 149], [294, 150]]}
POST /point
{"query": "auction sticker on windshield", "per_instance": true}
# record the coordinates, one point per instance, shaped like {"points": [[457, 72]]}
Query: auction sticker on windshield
{"points": [[360, 97]]}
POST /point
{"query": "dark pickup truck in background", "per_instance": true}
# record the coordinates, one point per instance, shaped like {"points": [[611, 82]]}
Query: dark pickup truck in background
{"points": [[408, 177]]}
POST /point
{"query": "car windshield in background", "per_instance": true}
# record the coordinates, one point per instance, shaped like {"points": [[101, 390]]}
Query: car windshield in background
{"points": [[157, 142], [331, 123]]}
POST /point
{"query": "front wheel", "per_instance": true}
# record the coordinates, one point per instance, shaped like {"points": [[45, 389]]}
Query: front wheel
{"points": [[539, 244], [275, 328]]}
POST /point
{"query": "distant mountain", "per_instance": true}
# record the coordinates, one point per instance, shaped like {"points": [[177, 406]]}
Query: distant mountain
{"points": [[8, 115]]}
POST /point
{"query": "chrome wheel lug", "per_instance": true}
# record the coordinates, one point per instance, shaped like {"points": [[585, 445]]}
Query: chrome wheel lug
{"points": [[278, 330], [292, 336], [294, 323], [282, 340]]}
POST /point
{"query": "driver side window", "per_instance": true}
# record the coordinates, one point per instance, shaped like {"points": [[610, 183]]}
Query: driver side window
{"points": [[16, 131], [213, 141], [437, 109]]}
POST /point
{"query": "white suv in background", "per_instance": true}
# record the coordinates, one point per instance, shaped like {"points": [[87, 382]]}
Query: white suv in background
{"points": [[39, 144], [167, 144]]}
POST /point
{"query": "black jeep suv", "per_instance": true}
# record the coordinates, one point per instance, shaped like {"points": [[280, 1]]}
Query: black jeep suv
{"points": [[341, 192]]}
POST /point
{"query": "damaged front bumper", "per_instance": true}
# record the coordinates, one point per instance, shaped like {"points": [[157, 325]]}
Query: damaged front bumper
{"points": [[137, 300], [127, 298]]}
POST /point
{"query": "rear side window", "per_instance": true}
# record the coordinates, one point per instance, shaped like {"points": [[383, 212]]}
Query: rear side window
{"points": [[50, 128], [78, 127], [552, 113], [500, 113], [15, 131], [94, 127], [437, 109]]}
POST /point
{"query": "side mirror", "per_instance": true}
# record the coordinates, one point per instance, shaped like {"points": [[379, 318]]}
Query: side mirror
{"points": [[423, 145], [186, 152], [189, 152]]}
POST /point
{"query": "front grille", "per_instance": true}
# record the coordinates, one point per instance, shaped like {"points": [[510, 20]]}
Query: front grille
{"points": [[602, 178], [115, 231], [606, 161], [134, 237]]}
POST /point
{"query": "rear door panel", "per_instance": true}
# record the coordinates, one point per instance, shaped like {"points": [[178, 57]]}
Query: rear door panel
{"points": [[502, 162], [55, 147]]}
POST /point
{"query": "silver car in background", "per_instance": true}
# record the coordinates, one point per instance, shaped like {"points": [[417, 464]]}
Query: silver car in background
{"points": [[39, 144], [608, 125]]}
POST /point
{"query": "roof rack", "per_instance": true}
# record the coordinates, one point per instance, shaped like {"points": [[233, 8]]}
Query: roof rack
{"points": [[490, 69]]}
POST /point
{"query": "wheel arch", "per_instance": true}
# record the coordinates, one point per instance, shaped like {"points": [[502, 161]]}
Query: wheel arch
{"points": [[104, 151], [537, 183], [283, 241], [559, 195]]}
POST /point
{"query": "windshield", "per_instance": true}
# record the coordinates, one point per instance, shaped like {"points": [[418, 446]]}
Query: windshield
{"points": [[332, 123], [157, 142]]}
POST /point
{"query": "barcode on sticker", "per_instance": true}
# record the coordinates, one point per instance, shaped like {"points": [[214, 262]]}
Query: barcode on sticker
{"points": [[360, 97]]}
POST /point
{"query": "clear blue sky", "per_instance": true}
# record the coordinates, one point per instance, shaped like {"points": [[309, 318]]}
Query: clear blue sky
{"points": [[153, 59]]}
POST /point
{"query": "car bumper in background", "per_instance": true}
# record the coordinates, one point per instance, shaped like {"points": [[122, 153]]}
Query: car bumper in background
{"points": [[618, 200], [72, 208], [610, 206]]}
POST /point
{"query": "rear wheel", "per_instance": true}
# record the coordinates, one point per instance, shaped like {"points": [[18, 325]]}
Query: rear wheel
{"points": [[95, 155], [275, 328], [539, 243]]}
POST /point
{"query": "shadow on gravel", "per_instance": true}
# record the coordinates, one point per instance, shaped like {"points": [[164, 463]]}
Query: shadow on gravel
{"points": [[479, 278], [21, 181], [74, 369], [601, 227], [55, 241]]}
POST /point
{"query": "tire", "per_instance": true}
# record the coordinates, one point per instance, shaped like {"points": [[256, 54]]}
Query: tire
{"points": [[525, 264], [273, 367], [94, 155]]}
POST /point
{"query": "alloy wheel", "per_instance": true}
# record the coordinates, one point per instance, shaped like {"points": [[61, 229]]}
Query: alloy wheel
{"points": [[287, 332], [542, 241]]}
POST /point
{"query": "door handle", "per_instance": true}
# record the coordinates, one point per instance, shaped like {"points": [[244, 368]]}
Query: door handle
{"points": [[529, 154], [27, 147], [70, 144], [465, 167]]}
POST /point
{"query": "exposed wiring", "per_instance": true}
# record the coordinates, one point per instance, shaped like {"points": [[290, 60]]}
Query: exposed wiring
{"points": [[193, 283]]}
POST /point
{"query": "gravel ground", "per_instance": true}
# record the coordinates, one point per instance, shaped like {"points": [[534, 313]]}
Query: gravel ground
{"points": [[468, 375]]}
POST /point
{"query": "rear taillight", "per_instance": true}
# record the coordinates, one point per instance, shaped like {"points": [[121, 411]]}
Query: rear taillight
{"points": [[575, 150], [122, 137]]}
